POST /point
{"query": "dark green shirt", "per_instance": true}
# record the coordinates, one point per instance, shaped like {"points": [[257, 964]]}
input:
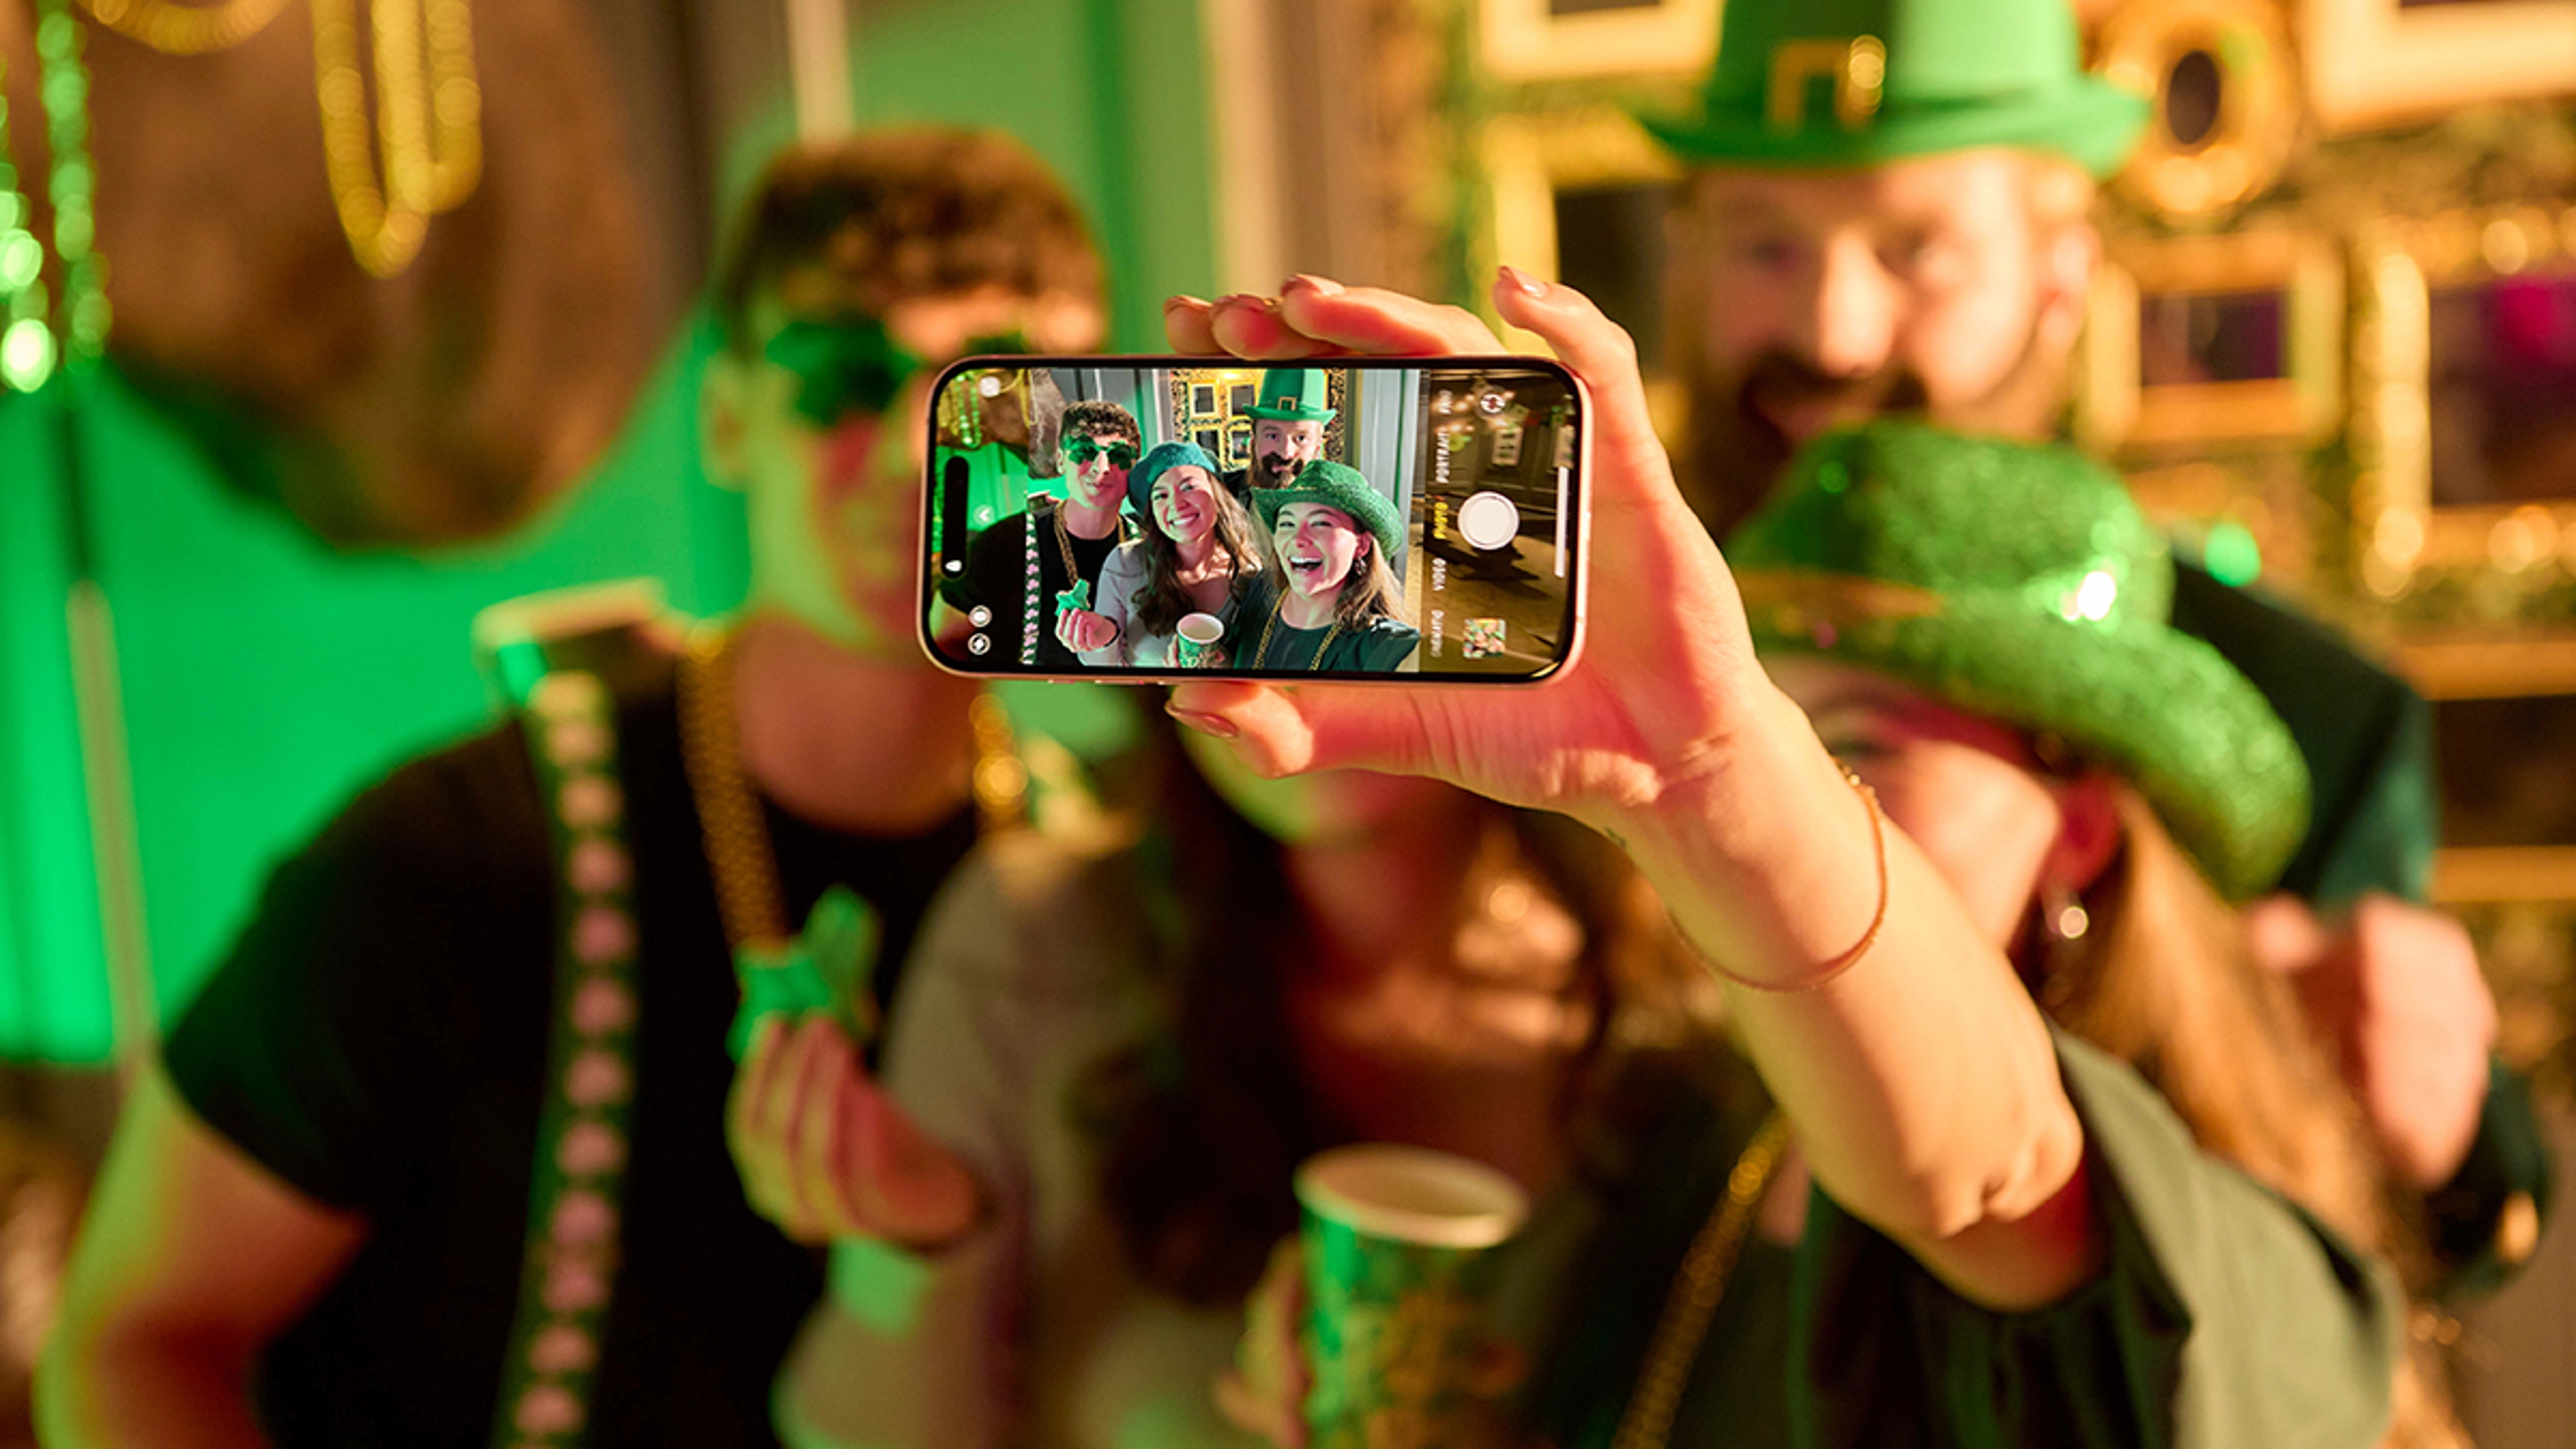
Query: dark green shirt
{"points": [[2224, 1314]]}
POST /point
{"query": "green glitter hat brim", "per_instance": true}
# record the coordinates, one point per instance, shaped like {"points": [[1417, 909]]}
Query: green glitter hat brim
{"points": [[1335, 485], [1159, 460], [2089, 121], [2164, 710]]}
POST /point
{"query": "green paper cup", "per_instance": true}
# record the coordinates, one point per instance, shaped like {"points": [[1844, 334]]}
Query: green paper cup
{"points": [[1194, 640], [1399, 1280]]}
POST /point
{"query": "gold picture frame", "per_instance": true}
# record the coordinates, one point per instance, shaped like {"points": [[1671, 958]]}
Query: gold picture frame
{"points": [[2402, 523], [2490, 666], [1523, 40], [2226, 100], [2378, 63], [2137, 393], [1528, 160]]}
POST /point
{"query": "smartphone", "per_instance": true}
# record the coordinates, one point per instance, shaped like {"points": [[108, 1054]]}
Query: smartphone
{"points": [[1188, 517]]}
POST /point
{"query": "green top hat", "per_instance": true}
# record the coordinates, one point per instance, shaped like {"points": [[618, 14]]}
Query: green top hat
{"points": [[1341, 486], [1293, 395], [1159, 460], [2020, 583], [1833, 84]]}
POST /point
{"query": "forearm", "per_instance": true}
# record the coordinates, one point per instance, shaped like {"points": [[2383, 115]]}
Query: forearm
{"points": [[1921, 1080]]}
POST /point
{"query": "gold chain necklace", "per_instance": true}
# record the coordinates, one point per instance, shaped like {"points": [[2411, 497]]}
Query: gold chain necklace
{"points": [[739, 854], [1064, 545], [185, 29], [430, 110], [1697, 1289], [1261, 655]]}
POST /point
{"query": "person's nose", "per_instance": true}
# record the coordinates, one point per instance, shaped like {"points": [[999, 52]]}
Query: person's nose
{"points": [[1850, 321]]}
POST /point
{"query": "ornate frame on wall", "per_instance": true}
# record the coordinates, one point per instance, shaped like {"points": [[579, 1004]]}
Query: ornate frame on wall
{"points": [[2497, 667], [2115, 408], [2377, 63], [2143, 47], [1529, 158], [1522, 41], [2398, 529]]}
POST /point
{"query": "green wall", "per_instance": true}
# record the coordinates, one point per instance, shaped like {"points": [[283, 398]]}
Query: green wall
{"points": [[267, 678]]}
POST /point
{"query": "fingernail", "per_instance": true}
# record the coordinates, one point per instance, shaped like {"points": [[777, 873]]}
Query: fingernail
{"points": [[1182, 299], [1214, 726], [1325, 285], [1528, 284]]}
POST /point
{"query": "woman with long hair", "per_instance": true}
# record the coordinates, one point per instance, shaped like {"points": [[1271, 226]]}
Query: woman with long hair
{"points": [[1920, 1096], [1332, 601], [1195, 555]]}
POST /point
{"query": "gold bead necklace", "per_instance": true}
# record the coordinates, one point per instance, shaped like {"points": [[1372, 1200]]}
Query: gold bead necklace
{"points": [[1648, 1423], [185, 29], [740, 858], [429, 115], [739, 854], [1261, 654], [430, 104]]}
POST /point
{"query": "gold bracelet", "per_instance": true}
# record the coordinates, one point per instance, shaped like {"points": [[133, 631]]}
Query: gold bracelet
{"points": [[1848, 959]]}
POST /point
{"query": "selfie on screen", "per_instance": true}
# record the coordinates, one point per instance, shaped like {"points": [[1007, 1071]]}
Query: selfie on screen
{"points": [[1341, 521]]}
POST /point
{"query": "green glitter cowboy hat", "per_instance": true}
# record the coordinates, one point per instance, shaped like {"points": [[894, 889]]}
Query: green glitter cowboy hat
{"points": [[1159, 460], [1838, 84], [1340, 486], [2020, 583], [1293, 395]]}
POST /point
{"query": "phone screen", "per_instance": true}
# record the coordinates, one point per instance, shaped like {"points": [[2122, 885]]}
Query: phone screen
{"points": [[1162, 517]]}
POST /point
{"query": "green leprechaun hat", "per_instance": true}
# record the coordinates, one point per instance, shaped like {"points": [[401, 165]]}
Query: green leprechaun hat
{"points": [[1293, 395], [2021, 583], [1835, 84], [1340, 486]]}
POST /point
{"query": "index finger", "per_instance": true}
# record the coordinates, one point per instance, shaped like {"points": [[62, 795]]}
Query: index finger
{"points": [[1375, 320]]}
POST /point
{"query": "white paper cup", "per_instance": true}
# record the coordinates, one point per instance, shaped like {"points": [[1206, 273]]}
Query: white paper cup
{"points": [[1194, 640]]}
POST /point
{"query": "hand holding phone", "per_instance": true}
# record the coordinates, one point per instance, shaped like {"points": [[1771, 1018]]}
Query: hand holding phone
{"points": [[1667, 673]]}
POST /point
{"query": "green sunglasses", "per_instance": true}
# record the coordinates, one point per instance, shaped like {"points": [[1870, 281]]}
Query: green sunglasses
{"points": [[1079, 451], [853, 365]]}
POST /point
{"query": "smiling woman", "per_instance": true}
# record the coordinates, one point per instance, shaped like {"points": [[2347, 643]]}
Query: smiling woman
{"points": [[1334, 604], [1196, 555]]}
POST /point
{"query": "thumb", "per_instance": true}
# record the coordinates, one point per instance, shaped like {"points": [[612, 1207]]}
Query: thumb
{"points": [[913, 1189], [2285, 935], [1289, 731]]}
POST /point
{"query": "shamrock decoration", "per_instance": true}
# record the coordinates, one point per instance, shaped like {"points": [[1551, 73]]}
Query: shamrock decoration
{"points": [[828, 969]]}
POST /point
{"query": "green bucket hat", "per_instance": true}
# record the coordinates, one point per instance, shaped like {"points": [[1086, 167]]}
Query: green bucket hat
{"points": [[2022, 584], [1341, 486], [1293, 395], [1833, 84], [1159, 460]]}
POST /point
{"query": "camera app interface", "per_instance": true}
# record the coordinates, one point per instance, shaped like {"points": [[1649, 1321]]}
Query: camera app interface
{"points": [[1345, 521]]}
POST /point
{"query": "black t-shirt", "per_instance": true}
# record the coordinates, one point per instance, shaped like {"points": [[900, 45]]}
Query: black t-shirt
{"points": [[378, 1040], [997, 577]]}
